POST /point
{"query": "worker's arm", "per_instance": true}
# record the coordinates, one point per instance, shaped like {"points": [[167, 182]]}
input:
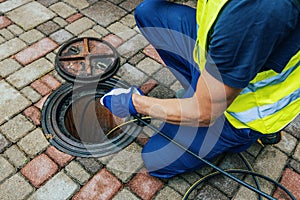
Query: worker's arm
{"points": [[210, 100]]}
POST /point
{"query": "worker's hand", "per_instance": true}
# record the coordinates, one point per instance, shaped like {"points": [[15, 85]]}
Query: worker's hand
{"points": [[119, 101]]}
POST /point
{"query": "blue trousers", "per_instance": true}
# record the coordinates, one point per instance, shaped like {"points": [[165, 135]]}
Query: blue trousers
{"points": [[171, 28]]}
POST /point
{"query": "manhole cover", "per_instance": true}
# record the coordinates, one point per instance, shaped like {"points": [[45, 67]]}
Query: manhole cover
{"points": [[73, 119]]}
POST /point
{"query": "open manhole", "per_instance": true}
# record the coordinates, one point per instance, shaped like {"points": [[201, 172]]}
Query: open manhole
{"points": [[73, 119]]}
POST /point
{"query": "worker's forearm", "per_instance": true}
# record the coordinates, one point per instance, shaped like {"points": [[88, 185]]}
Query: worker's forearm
{"points": [[176, 111]]}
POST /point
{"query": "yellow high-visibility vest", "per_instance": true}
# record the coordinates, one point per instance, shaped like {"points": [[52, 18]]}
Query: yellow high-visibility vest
{"points": [[271, 100]]}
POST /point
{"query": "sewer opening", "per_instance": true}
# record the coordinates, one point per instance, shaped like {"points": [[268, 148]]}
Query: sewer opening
{"points": [[88, 121]]}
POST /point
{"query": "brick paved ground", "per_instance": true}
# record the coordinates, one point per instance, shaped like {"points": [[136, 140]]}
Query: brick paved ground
{"points": [[30, 168]]}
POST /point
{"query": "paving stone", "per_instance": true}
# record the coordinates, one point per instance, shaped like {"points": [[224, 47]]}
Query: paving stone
{"points": [[6, 169], [74, 17], [126, 163], [287, 144], [90, 33], [104, 13], [165, 76], [16, 128], [128, 20], [8, 66], [41, 102], [270, 162], [290, 180], [148, 86], [33, 143], [167, 194], [162, 92], [178, 184], [11, 4], [132, 46], [2, 40], [4, 22], [114, 40], [59, 157], [79, 4], [122, 31], [77, 172], [80, 26], [30, 73], [3, 143], [294, 127], [104, 160], [51, 82], [90, 164], [36, 51], [210, 193], [16, 30], [60, 21], [40, 87], [15, 156], [125, 194], [31, 94], [152, 53], [144, 185], [190, 177], [102, 186], [31, 36], [295, 165], [254, 149], [176, 86], [39, 170], [136, 59], [16, 188], [130, 5], [297, 153], [47, 3], [34, 114], [149, 66], [132, 75], [40, 15], [58, 187], [61, 36], [62, 9], [48, 27], [102, 31], [11, 101], [11, 47], [6, 34]]}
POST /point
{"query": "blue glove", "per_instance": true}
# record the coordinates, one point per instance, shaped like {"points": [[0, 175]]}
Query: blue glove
{"points": [[119, 101]]}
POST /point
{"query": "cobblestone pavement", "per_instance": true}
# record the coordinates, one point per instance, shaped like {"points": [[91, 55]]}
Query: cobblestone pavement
{"points": [[31, 33]]}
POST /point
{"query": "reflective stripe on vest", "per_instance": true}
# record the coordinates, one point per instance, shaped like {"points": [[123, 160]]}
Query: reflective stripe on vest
{"points": [[271, 100]]}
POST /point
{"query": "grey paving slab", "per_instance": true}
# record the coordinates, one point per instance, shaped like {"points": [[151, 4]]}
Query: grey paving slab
{"points": [[58, 187], [30, 73], [90, 33], [61, 36], [33, 143], [6, 169], [130, 5], [6, 34], [128, 20], [127, 162], [15, 188], [48, 27], [125, 194], [63, 10], [210, 193], [60, 21], [122, 31], [80, 26], [167, 193], [165, 77], [31, 36], [12, 4], [297, 153], [11, 47], [287, 144], [90, 164], [40, 15], [3, 143], [16, 128], [104, 13], [11, 101], [294, 127], [179, 184], [79, 4], [132, 46], [15, 156], [47, 2], [31, 94], [76, 171], [8, 66], [102, 31], [15, 29], [149, 66], [132, 75], [162, 92]]}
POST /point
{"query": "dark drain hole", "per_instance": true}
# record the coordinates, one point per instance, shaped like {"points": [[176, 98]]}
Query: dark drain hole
{"points": [[89, 122]]}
